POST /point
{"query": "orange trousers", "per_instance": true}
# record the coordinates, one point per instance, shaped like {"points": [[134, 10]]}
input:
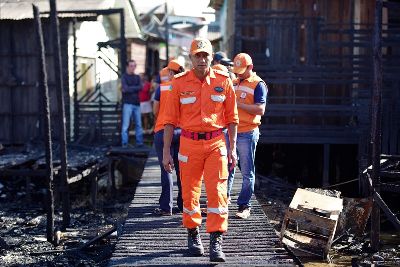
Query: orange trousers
{"points": [[204, 160]]}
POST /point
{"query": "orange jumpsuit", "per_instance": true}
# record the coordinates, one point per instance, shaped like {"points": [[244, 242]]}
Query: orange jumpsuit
{"points": [[203, 109]]}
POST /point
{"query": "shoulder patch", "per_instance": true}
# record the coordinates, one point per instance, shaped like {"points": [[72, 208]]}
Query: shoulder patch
{"points": [[176, 76], [220, 72]]}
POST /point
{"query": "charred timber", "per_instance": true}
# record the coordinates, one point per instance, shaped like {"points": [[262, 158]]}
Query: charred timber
{"points": [[49, 158], [376, 134], [61, 106]]}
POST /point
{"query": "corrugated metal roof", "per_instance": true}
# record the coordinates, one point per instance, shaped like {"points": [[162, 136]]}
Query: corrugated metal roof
{"points": [[22, 9]]}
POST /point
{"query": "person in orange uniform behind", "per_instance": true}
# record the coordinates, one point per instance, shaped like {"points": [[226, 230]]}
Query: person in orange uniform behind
{"points": [[251, 92], [203, 102], [159, 111]]}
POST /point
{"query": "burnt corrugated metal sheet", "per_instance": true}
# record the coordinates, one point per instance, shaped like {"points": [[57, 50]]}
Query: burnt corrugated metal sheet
{"points": [[18, 10], [22, 9]]}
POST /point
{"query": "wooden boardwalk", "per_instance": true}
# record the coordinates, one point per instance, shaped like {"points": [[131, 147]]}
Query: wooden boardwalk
{"points": [[149, 240]]}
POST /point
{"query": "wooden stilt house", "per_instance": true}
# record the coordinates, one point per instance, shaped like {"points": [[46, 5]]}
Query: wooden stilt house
{"points": [[316, 57]]}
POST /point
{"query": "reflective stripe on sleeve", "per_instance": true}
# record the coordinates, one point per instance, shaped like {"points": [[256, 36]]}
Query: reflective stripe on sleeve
{"points": [[165, 87]]}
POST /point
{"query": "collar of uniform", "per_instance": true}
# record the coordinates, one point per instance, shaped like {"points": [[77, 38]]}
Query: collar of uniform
{"points": [[253, 74], [211, 74]]}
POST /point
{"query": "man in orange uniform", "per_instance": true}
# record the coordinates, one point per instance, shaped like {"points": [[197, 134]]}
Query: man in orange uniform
{"points": [[202, 100], [251, 94], [159, 110]]}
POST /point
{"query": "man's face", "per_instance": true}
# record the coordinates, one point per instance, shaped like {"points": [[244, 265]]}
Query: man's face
{"points": [[201, 61], [131, 67], [245, 74]]}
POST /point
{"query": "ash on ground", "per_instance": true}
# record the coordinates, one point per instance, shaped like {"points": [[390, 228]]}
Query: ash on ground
{"points": [[23, 226]]}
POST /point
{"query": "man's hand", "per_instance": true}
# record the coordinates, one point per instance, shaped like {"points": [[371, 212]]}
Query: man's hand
{"points": [[232, 158], [167, 161]]}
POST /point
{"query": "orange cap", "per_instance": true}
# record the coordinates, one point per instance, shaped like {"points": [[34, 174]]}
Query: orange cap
{"points": [[201, 45], [174, 65], [220, 67], [164, 75], [241, 62]]}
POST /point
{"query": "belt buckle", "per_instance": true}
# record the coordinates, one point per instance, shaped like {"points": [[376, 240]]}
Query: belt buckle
{"points": [[202, 136]]}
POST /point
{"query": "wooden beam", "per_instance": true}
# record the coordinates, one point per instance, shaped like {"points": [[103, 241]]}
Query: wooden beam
{"points": [[49, 156], [376, 122], [61, 106]]}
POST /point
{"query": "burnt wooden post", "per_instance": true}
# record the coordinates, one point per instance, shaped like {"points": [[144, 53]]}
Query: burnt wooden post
{"points": [[123, 42], [47, 123], [14, 85], [166, 31], [376, 122], [325, 173], [61, 106], [76, 104], [238, 28]]}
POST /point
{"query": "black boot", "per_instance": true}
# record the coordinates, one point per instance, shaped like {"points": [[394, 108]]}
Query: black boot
{"points": [[194, 242], [216, 253]]}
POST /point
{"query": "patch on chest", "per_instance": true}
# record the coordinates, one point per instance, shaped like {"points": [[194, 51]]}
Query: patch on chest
{"points": [[243, 95], [218, 89], [187, 93]]}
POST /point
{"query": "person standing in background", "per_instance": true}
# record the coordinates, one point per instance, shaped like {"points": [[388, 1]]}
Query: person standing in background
{"points": [[159, 110], [251, 97], [131, 86], [145, 103]]}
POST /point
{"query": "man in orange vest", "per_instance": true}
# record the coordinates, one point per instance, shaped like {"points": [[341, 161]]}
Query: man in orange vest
{"points": [[159, 111], [251, 95], [203, 102]]}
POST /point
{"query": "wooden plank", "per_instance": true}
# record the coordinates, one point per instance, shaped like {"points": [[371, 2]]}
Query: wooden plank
{"points": [[311, 221], [148, 239]]}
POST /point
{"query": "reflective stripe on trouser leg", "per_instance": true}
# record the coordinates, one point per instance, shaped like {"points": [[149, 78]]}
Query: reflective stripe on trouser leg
{"points": [[215, 179], [191, 164]]}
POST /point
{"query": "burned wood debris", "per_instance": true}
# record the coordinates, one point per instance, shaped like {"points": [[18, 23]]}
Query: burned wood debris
{"points": [[16, 156], [30, 162], [93, 230], [88, 242], [310, 221], [351, 242]]}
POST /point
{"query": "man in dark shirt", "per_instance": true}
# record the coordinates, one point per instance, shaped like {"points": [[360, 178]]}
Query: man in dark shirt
{"points": [[131, 86]]}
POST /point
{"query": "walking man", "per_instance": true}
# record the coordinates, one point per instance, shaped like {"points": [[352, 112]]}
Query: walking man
{"points": [[203, 102], [131, 86], [251, 94]]}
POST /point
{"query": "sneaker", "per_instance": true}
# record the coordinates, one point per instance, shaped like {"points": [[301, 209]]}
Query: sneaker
{"points": [[243, 213], [161, 212]]}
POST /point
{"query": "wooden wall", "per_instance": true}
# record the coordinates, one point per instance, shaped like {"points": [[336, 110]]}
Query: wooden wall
{"points": [[20, 101], [316, 57]]}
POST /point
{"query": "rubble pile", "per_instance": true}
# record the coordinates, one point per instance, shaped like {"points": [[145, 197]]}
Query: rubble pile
{"points": [[23, 230], [351, 244]]}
